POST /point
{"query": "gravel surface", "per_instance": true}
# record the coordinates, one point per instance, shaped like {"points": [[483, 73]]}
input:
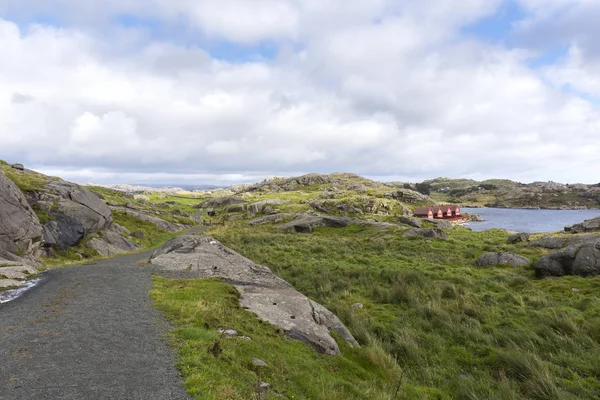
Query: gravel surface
{"points": [[88, 332]]}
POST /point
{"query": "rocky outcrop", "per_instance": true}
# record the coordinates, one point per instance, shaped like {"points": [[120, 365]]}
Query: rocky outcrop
{"points": [[410, 196], [426, 233], [502, 258], [218, 202], [110, 243], [259, 206], [589, 225], [14, 273], [306, 223], [582, 260], [269, 219], [158, 222], [74, 213], [414, 222], [20, 229], [262, 292], [557, 242]]}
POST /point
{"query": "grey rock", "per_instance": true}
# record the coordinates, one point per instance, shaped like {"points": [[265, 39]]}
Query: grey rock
{"points": [[258, 362], [227, 332], [236, 208], [257, 207], [357, 306], [111, 243], [264, 385], [557, 242], [441, 224], [262, 292], [131, 206], [410, 196], [18, 272], [20, 230], [426, 232], [158, 222], [415, 223], [306, 223], [582, 259], [502, 258], [137, 234], [272, 219], [222, 202], [589, 225], [518, 238], [19, 167]]}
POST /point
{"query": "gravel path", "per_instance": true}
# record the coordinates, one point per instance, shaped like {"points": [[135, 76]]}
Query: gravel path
{"points": [[88, 332]]}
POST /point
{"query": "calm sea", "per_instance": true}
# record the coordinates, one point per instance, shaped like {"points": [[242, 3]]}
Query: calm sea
{"points": [[520, 220]]}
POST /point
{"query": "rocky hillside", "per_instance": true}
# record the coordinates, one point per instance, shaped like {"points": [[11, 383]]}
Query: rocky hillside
{"points": [[505, 193], [44, 218]]}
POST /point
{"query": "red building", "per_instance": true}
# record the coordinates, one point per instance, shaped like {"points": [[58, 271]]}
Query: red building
{"points": [[445, 211]]}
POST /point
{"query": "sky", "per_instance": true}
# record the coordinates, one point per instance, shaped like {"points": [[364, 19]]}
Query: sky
{"points": [[231, 91]]}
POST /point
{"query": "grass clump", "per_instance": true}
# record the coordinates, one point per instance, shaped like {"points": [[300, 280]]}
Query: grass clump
{"points": [[456, 331], [218, 367], [27, 181]]}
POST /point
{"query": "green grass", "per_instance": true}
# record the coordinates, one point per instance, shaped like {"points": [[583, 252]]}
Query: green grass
{"points": [[456, 330], [216, 367], [26, 181]]}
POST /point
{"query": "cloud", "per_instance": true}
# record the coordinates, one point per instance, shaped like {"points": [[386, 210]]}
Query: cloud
{"points": [[381, 88]]}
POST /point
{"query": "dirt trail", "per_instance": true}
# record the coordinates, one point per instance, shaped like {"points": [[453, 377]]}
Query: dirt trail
{"points": [[88, 332]]}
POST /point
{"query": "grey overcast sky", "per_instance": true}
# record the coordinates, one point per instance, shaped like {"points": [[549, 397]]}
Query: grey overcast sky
{"points": [[205, 91]]}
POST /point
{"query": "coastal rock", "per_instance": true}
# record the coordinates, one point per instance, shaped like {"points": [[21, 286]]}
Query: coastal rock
{"points": [[589, 225], [557, 242], [262, 292], [582, 260], [426, 233], [502, 258], [20, 230]]}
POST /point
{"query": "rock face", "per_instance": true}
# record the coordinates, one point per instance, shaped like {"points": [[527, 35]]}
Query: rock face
{"points": [[262, 292], [426, 232], [160, 223], [503, 258], [20, 229], [582, 260], [75, 212], [589, 225]]}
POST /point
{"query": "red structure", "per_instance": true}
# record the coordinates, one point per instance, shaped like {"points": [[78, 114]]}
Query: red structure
{"points": [[446, 211]]}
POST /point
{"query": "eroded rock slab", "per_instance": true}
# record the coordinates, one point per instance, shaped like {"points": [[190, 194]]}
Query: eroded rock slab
{"points": [[262, 292]]}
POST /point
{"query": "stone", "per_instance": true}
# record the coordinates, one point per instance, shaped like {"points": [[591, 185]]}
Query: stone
{"points": [[588, 225], [518, 238], [441, 223], [237, 208], [262, 292], [264, 385], [272, 219], [19, 167], [582, 260], [227, 332], [111, 243], [222, 202], [131, 206], [18, 272], [357, 306], [21, 234], [256, 208], [257, 362], [414, 222], [426, 232], [502, 258], [306, 223]]}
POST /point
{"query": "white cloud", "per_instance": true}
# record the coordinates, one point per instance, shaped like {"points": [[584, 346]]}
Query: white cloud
{"points": [[385, 88]]}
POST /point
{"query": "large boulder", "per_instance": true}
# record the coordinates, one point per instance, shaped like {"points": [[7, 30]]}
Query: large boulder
{"points": [[262, 292], [502, 258], [582, 260], [20, 229], [557, 242], [414, 222], [518, 238]]}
